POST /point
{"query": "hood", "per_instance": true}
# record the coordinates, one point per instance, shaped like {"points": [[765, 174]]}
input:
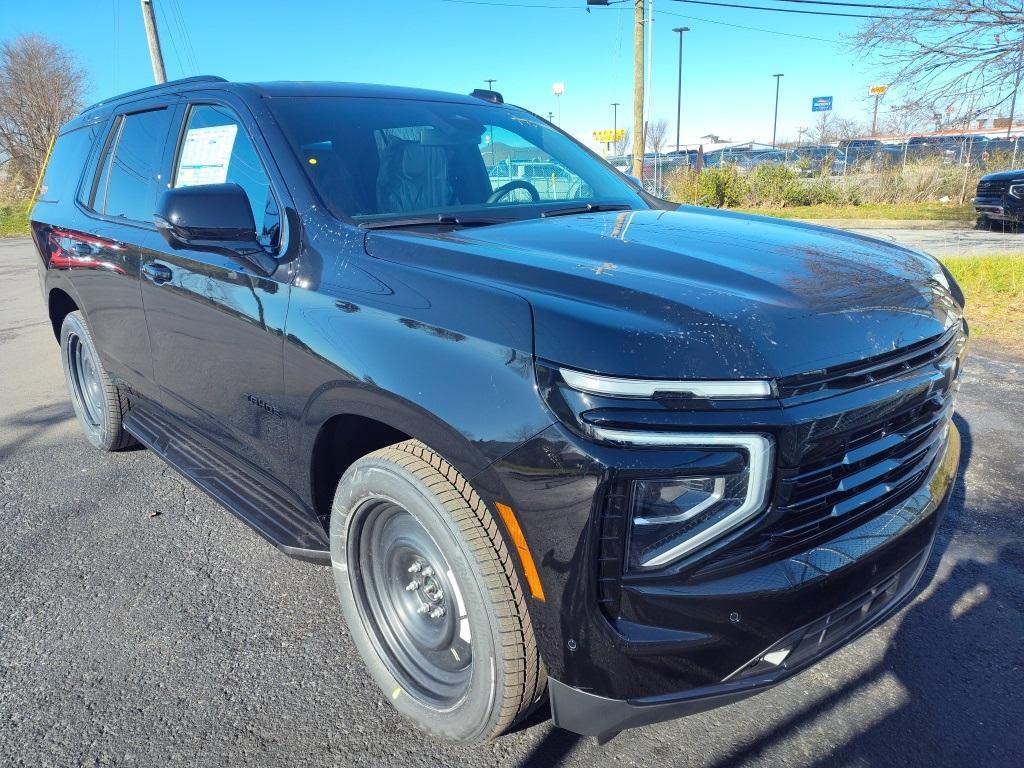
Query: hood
{"points": [[695, 293], [1004, 176]]}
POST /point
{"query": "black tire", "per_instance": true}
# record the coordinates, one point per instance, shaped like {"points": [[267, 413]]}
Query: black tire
{"points": [[983, 224], [100, 405], [406, 505]]}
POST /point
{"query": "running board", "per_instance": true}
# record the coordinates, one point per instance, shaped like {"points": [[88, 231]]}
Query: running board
{"points": [[295, 531]]}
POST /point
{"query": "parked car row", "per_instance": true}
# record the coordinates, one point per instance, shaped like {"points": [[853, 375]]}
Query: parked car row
{"points": [[837, 159]]}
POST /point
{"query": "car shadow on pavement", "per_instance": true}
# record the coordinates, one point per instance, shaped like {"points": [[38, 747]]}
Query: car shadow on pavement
{"points": [[20, 428], [956, 656]]}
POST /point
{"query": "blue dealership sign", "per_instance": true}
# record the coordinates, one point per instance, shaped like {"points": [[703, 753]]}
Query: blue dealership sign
{"points": [[821, 104]]}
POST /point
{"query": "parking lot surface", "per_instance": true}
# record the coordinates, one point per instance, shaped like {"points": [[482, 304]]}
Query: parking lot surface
{"points": [[946, 242], [141, 624]]}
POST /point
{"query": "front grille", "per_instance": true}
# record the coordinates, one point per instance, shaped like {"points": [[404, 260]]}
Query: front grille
{"points": [[992, 188], [873, 468], [839, 378], [841, 471]]}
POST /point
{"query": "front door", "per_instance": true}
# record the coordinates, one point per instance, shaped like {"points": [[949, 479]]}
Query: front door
{"points": [[215, 323]]}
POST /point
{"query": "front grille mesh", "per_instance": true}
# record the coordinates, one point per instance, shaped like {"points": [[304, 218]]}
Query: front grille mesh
{"points": [[839, 378], [872, 466], [992, 188]]}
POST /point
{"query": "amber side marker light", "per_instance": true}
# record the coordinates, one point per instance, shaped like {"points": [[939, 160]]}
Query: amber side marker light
{"points": [[525, 558]]}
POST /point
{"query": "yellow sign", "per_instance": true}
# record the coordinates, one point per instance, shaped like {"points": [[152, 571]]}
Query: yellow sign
{"points": [[877, 90], [606, 136]]}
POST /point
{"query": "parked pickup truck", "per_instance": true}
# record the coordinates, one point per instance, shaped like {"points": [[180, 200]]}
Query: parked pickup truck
{"points": [[999, 200], [594, 448]]}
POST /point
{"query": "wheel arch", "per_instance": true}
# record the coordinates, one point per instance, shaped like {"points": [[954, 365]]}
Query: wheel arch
{"points": [[346, 423], [60, 304]]}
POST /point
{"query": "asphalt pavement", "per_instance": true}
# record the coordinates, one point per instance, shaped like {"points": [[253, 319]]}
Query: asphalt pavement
{"points": [[946, 242], [142, 625]]}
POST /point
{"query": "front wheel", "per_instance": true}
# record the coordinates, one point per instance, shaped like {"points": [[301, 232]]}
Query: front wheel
{"points": [[431, 596]]}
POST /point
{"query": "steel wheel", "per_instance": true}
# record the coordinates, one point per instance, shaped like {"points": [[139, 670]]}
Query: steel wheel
{"points": [[86, 386], [410, 600]]}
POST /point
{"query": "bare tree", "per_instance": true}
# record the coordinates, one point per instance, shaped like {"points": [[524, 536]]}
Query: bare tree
{"points": [[657, 135], [41, 87], [621, 146], [831, 127], [953, 51], [910, 116]]}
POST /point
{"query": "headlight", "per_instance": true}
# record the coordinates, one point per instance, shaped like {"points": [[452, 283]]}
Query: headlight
{"points": [[1017, 190], [671, 517]]}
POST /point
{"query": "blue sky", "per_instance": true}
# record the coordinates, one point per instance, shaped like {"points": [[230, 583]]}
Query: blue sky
{"points": [[727, 84]]}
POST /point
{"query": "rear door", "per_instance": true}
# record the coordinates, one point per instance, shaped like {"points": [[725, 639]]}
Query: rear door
{"points": [[215, 323], [119, 200]]}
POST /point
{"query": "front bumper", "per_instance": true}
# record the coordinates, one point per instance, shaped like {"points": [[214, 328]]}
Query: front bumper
{"points": [[997, 209], [911, 522]]}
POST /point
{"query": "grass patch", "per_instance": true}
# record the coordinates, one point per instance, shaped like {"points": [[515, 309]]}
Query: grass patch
{"points": [[963, 214], [13, 220], [994, 287]]}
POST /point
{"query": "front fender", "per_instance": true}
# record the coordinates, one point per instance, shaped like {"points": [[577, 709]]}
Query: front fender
{"points": [[443, 359]]}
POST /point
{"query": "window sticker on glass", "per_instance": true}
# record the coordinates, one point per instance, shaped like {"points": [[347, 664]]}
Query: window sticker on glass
{"points": [[205, 155]]}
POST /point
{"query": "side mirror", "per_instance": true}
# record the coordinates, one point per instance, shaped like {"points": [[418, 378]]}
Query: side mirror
{"points": [[211, 217]]}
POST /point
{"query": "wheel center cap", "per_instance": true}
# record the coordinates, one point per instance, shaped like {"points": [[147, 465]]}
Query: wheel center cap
{"points": [[427, 589]]}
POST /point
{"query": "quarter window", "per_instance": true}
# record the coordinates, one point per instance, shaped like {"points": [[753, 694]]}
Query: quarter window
{"points": [[130, 177], [216, 150]]}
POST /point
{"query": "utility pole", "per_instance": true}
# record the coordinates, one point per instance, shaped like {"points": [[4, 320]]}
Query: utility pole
{"points": [[775, 125], [156, 56], [679, 93], [874, 115], [638, 88]]}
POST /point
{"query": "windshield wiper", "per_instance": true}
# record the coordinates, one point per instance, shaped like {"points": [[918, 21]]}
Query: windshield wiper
{"points": [[427, 221], [588, 208]]}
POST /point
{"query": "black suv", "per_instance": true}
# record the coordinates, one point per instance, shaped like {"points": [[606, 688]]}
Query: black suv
{"points": [[558, 439], [999, 201]]}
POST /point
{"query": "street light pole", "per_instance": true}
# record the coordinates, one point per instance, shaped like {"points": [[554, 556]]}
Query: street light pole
{"points": [[679, 93], [615, 122], [775, 124]]}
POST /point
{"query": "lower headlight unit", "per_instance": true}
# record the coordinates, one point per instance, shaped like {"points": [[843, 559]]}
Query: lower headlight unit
{"points": [[671, 517]]}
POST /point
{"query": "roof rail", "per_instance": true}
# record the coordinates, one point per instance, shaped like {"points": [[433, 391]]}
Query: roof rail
{"points": [[158, 87]]}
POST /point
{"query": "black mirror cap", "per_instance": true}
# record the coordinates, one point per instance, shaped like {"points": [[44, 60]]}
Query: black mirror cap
{"points": [[200, 215]]}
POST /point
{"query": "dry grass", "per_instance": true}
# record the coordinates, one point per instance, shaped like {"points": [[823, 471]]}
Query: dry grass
{"points": [[994, 287]]}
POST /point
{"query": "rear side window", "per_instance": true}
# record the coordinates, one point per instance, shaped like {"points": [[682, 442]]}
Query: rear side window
{"points": [[217, 150], [64, 168], [129, 179]]}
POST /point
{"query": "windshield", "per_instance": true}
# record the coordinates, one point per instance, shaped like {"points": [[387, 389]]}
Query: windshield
{"points": [[377, 160]]}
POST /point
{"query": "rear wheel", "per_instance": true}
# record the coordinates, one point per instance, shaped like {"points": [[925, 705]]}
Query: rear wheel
{"points": [[431, 596], [99, 404]]}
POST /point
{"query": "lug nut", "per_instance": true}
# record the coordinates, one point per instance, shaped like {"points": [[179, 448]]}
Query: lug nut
{"points": [[415, 568], [423, 609], [428, 572], [437, 613], [412, 586]]}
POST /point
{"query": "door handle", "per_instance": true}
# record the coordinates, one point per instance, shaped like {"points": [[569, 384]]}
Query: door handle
{"points": [[157, 273]]}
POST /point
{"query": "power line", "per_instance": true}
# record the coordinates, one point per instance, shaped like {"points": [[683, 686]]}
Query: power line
{"points": [[861, 5], [162, 13], [186, 35], [818, 13], [749, 29], [516, 5]]}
